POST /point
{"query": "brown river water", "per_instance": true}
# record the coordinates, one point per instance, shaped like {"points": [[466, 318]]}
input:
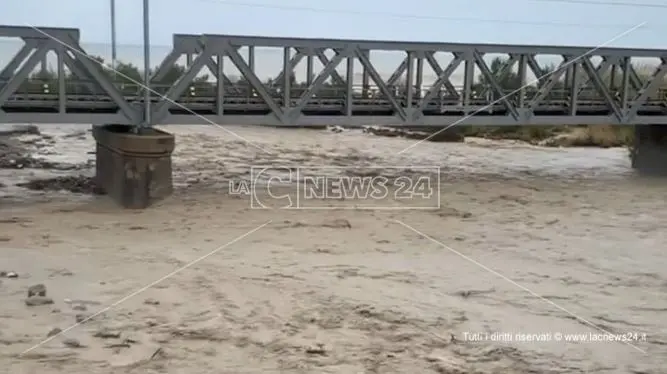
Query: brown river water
{"points": [[527, 249]]}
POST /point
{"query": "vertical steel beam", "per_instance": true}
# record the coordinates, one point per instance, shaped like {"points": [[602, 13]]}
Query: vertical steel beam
{"points": [[251, 65], [114, 56], [523, 62], [574, 87], [147, 67], [420, 76], [220, 86], [625, 85], [251, 58], [612, 77], [45, 65], [468, 79], [408, 81], [62, 85], [288, 71], [365, 78], [309, 70], [349, 96]]}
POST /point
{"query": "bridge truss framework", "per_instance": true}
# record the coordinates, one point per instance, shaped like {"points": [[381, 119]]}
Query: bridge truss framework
{"points": [[624, 100]]}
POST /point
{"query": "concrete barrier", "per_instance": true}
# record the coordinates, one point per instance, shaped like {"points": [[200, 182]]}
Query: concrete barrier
{"points": [[134, 169]]}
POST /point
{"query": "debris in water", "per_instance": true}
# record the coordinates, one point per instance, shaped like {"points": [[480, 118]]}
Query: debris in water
{"points": [[150, 301], [21, 130], [75, 184], [107, 334], [38, 300], [37, 290], [317, 349], [54, 332], [72, 343]]}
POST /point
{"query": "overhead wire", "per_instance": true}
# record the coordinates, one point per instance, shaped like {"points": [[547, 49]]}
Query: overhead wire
{"points": [[409, 16], [606, 3], [433, 17]]}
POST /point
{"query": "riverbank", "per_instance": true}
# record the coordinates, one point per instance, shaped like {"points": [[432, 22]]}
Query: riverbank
{"points": [[603, 136]]}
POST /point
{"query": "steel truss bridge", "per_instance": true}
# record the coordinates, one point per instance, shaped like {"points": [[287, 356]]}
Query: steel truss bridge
{"points": [[609, 92]]}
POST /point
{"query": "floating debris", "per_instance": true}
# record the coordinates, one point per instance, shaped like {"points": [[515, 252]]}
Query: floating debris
{"points": [[76, 184]]}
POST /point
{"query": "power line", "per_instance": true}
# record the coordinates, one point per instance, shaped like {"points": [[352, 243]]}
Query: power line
{"points": [[412, 16], [606, 3]]}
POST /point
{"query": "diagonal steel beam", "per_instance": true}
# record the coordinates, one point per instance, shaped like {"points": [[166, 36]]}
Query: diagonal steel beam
{"points": [[324, 60], [505, 68], [23, 73], [442, 78], [180, 85], [479, 59], [600, 71], [635, 80], [254, 81], [19, 57], [165, 66], [649, 88], [535, 67], [213, 67], [549, 83], [366, 63], [601, 87], [328, 70], [398, 73], [78, 71], [293, 62], [430, 58], [101, 79]]}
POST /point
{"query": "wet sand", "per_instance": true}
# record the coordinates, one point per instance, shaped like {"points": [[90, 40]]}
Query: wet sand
{"points": [[527, 240]]}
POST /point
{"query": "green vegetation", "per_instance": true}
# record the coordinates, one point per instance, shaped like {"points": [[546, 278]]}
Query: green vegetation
{"points": [[557, 135]]}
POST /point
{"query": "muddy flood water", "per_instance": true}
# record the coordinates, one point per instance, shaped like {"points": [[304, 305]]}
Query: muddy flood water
{"points": [[536, 260]]}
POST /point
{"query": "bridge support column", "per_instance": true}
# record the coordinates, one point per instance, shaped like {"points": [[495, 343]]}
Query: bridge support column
{"points": [[134, 169], [649, 151]]}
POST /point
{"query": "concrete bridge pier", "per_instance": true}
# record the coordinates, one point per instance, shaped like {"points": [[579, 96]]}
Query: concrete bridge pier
{"points": [[649, 151], [135, 170]]}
